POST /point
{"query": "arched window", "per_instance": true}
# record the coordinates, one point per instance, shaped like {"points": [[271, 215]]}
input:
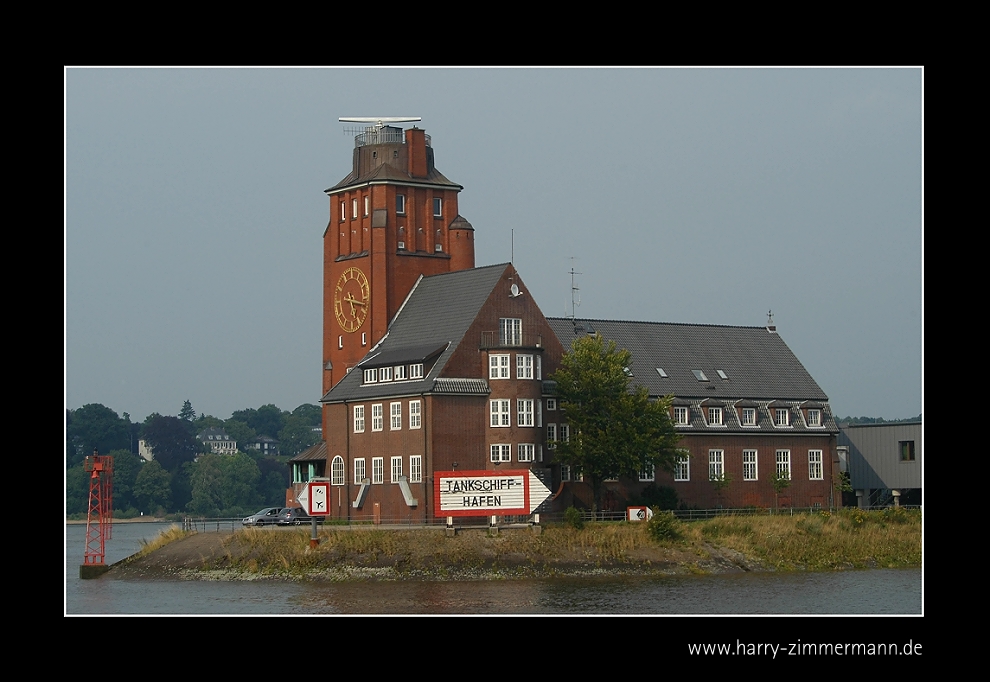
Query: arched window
{"points": [[337, 471]]}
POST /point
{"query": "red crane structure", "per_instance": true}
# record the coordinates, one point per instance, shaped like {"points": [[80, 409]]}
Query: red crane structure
{"points": [[99, 519]]}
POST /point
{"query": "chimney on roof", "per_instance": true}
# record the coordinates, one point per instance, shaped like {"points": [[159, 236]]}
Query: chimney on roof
{"points": [[416, 143]]}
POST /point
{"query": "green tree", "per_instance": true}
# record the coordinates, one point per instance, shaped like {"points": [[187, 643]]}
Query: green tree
{"points": [[126, 467], [296, 436], [94, 427], [206, 478], [720, 483], [616, 430], [170, 440], [780, 482], [152, 489], [187, 413]]}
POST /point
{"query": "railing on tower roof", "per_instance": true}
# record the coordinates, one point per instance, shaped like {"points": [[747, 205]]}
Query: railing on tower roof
{"points": [[380, 135]]}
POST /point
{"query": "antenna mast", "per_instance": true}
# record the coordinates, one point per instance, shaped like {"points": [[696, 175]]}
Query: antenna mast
{"points": [[575, 299]]}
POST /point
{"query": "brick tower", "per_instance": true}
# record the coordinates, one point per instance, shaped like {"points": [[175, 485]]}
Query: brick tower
{"points": [[392, 218]]}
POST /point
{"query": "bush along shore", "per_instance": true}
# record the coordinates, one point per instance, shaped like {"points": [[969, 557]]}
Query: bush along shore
{"points": [[822, 541]]}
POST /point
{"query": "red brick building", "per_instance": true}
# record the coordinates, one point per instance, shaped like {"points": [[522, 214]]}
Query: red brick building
{"points": [[746, 408], [431, 364], [456, 383]]}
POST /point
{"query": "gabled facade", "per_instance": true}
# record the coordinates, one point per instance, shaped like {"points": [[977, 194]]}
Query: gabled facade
{"points": [[746, 409], [456, 383], [217, 440]]}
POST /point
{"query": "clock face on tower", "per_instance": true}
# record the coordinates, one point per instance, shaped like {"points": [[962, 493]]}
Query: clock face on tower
{"points": [[351, 299]]}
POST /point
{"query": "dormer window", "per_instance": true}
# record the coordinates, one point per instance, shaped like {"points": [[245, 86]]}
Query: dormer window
{"points": [[814, 417], [371, 376], [749, 416], [416, 371], [385, 374], [400, 372], [715, 416], [781, 417], [681, 416]]}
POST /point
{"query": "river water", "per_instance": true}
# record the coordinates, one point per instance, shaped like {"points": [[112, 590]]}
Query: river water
{"points": [[874, 592]]}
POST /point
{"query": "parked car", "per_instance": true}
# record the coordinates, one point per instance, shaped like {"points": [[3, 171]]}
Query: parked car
{"points": [[265, 517], [293, 516]]}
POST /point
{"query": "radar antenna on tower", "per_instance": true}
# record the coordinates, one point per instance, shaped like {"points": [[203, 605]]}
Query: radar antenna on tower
{"points": [[379, 121]]}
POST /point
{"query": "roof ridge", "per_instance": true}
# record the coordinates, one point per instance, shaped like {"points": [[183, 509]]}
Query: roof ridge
{"points": [[655, 322]]}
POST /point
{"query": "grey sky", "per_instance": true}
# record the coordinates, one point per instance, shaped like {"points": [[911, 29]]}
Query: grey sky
{"points": [[194, 214]]}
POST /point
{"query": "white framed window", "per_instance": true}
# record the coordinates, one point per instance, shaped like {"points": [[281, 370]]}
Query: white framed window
{"points": [[681, 416], [498, 366], [714, 416], [371, 376], [337, 471], [396, 468], [648, 473], [551, 435], [526, 452], [396, 414], [353, 208], [815, 472], [377, 470], [400, 204], [814, 417], [682, 472], [367, 204], [716, 465], [399, 371], [359, 419], [343, 211], [565, 433], [416, 370], [501, 453], [499, 410], [340, 342], [437, 207], [551, 404], [784, 464], [377, 417], [781, 416], [385, 374], [750, 472], [416, 469], [749, 416], [565, 472], [539, 367], [510, 331], [524, 366], [415, 414], [364, 338], [359, 472], [524, 412]]}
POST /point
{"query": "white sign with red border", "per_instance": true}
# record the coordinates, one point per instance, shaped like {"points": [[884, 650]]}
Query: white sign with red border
{"points": [[318, 503], [639, 513], [484, 493]]}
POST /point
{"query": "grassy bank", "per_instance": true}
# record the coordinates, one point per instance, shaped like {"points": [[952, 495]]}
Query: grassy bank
{"points": [[823, 541]]}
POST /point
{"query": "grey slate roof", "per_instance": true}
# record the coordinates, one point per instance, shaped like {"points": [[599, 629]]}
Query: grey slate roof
{"points": [[387, 173], [758, 363], [762, 371], [437, 311]]}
